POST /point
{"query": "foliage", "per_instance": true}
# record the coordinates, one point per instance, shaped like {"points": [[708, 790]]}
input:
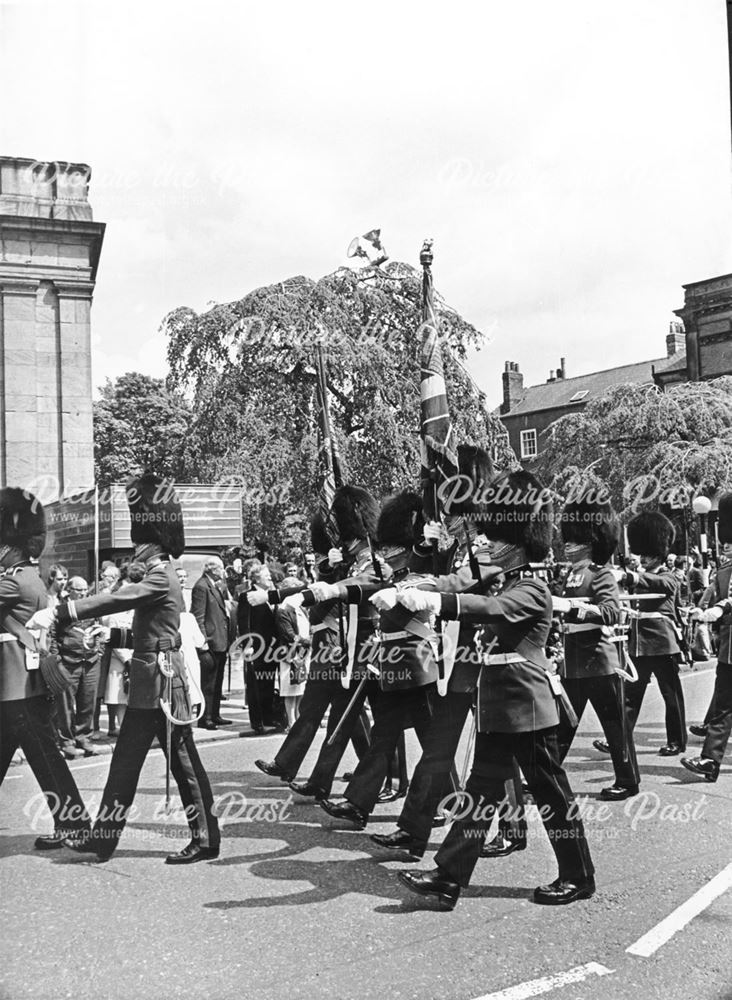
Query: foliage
{"points": [[139, 424], [650, 448], [248, 368]]}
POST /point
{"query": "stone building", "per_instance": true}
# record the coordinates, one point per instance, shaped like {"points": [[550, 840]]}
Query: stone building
{"points": [[49, 253]]}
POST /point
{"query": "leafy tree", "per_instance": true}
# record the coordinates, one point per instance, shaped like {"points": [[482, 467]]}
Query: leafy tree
{"points": [[139, 424], [249, 368], [649, 448]]}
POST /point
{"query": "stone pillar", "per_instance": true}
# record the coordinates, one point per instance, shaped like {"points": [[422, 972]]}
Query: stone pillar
{"points": [[49, 252]]}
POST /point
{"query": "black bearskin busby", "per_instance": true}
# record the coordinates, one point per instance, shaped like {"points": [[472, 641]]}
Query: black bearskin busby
{"points": [[319, 538], [517, 510], [650, 534], [591, 523], [156, 514], [356, 513], [474, 464], [400, 521], [724, 525], [22, 521]]}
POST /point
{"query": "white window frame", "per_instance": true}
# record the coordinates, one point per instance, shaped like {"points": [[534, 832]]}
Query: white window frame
{"points": [[528, 437]]}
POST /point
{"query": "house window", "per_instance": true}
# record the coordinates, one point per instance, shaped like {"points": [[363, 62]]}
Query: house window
{"points": [[578, 396], [528, 444]]}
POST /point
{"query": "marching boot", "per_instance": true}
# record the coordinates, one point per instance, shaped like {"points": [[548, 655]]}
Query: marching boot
{"points": [[273, 770], [708, 769], [192, 853], [501, 847], [670, 750], [400, 840], [434, 884], [602, 745], [563, 891], [309, 790], [616, 793], [345, 810]]}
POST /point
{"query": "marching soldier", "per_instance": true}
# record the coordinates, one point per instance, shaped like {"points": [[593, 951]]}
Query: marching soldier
{"points": [[157, 534], [654, 636], [335, 671], [517, 705], [25, 705], [475, 573], [719, 597], [407, 658], [591, 532]]}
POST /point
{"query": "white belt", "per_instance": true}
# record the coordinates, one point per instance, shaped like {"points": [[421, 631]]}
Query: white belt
{"points": [[649, 614], [499, 658], [7, 637], [393, 636], [321, 625], [570, 629]]}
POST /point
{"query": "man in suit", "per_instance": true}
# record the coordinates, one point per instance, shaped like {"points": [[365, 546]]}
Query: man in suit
{"points": [[719, 597], [25, 707], [257, 625], [208, 607]]}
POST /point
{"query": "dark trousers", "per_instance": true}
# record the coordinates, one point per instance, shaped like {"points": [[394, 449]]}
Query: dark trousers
{"points": [[355, 728], [666, 671], [139, 728], [431, 779], [394, 711], [397, 769], [720, 715], [213, 665], [78, 703], [27, 724], [537, 755], [319, 696], [603, 693], [259, 679]]}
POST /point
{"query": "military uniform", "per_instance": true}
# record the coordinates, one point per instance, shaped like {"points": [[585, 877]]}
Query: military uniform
{"points": [[157, 602], [25, 705], [591, 664]]}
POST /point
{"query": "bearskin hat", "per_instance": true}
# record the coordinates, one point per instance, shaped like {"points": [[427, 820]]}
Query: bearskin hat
{"points": [[650, 534], [356, 513], [22, 521], [156, 515], [400, 520], [587, 522], [319, 538], [518, 511], [475, 464], [724, 525]]}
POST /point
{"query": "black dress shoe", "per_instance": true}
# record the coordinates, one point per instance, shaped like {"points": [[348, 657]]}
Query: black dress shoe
{"points": [[50, 842], [86, 845], [347, 811], [222, 722], [501, 847], [563, 891], [309, 790], [273, 770], [616, 793], [432, 883], [258, 730], [601, 745], [400, 840], [671, 750], [698, 731], [207, 725], [192, 853], [705, 768], [391, 795]]}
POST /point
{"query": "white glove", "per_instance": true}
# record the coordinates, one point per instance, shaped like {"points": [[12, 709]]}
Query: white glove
{"points": [[100, 632], [420, 600], [432, 531], [293, 601], [335, 556], [619, 574], [41, 619], [256, 597], [710, 615], [325, 591], [384, 600], [561, 605]]}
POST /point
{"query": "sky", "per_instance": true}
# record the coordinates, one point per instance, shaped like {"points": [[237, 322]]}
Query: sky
{"points": [[571, 160]]}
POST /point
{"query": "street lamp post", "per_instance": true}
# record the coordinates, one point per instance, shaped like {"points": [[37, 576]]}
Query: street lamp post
{"points": [[701, 506]]}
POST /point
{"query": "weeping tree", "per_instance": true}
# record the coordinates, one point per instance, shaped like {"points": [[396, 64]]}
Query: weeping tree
{"points": [[247, 368], [648, 448]]}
